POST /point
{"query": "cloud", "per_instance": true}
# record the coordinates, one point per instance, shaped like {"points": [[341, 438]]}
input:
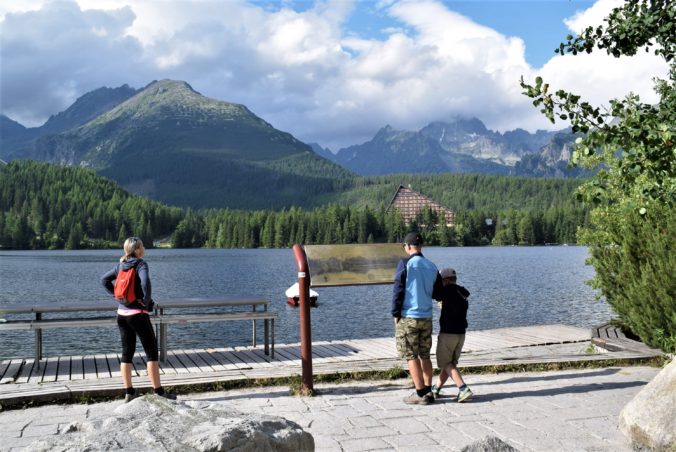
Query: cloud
{"points": [[304, 72], [593, 16], [52, 55]]}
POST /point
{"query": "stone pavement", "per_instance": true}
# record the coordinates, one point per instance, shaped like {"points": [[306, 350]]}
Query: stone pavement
{"points": [[540, 411]]}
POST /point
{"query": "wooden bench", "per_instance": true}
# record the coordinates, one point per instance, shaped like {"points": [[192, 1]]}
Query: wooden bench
{"points": [[160, 318]]}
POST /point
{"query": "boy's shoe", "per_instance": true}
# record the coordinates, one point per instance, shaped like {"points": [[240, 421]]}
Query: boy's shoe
{"points": [[415, 399], [430, 397], [436, 391], [129, 397], [465, 394]]}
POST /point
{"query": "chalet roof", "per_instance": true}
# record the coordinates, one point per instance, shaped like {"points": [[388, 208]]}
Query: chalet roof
{"points": [[410, 202]]}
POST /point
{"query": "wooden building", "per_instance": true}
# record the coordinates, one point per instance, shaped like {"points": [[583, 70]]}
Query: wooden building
{"points": [[410, 203]]}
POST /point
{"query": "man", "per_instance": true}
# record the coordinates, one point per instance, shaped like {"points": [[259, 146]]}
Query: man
{"points": [[416, 281]]}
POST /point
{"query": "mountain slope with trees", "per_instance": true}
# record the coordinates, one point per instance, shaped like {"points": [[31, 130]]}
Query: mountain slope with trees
{"points": [[49, 206], [172, 144], [53, 206]]}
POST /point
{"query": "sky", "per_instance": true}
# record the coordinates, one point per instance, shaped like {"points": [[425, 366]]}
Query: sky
{"points": [[331, 72]]}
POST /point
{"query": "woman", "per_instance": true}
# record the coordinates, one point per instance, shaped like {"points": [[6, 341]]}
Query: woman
{"points": [[133, 319]]}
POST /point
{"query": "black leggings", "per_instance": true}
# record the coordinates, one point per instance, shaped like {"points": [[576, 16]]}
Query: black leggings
{"points": [[131, 326]]}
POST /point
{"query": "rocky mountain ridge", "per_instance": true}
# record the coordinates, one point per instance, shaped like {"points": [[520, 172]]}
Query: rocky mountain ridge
{"points": [[458, 146]]}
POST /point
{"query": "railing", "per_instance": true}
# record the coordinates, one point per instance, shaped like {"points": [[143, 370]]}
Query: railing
{"points": [[160, 317]]}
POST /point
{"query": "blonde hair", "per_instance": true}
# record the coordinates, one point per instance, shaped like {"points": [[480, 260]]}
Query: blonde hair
{"points": [[131, 245]]}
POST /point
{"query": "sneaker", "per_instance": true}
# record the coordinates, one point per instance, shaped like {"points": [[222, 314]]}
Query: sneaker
{"points": [[415, 399], [168, 395], [465, 394], [129, 397], [430, 397], [436, 391]]}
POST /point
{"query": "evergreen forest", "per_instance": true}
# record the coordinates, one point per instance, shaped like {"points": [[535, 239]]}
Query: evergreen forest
{"points": [[47, 206]]}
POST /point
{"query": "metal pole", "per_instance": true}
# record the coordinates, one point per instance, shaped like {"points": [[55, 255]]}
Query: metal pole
{"points": [[163, 336], [38, 340], [304, 308]]}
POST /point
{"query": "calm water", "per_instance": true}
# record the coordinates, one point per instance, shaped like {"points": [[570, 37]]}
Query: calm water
{"points": [[510, 286]]}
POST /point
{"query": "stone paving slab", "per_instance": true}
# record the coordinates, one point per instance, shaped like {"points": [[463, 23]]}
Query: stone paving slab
{"points": [[570, 410]]}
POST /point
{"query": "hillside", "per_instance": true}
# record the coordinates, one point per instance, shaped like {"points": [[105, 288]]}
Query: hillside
{"points": [[16, 140], [174, 145], [52, 206]]}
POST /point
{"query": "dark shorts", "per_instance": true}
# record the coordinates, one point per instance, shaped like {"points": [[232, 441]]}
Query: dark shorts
{"points": [[414, 338]]}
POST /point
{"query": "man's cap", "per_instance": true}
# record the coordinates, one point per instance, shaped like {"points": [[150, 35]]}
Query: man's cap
{"points": [[448, 273], [413, 238]]}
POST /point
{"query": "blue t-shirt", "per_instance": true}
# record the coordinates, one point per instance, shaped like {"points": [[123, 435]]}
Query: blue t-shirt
{"points": [[414, 286]]}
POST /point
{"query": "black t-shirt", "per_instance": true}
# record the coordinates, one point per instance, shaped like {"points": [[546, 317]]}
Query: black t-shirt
{"points": [[453, 319]]}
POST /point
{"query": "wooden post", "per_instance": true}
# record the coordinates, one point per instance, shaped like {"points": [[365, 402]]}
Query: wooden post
{"points": [[307, 386]]}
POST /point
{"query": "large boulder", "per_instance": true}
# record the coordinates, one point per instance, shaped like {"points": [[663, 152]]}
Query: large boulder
{"points": [[649, 419], [152, 423]]}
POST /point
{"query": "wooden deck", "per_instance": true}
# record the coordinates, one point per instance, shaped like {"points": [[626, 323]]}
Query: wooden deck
{"points": [[73, 377]]}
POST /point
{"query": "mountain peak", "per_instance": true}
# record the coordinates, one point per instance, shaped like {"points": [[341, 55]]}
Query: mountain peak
{"points": [[167, 85]]}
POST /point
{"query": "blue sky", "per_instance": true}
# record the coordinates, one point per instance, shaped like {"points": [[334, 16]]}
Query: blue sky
{"points": [[538, 22], [332, 72]]}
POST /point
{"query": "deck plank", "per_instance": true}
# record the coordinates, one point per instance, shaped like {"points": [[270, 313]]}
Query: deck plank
{"points": [[76, 368], [12, 371], [102, 368], [3, 367], [63, 373], [26, 372], [51, 368], [89, 367], [114, 365]]}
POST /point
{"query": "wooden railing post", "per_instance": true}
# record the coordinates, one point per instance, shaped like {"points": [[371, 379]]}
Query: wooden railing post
{"points": [[307, 385]]}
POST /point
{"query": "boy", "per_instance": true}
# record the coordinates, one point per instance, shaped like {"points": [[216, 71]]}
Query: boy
{"points": [[452, 323]]}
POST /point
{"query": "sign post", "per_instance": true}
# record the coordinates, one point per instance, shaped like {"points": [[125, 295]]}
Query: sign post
{"points": [[307, 385]]}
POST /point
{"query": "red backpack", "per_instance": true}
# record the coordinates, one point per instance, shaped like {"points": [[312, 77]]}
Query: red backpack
{"points": [[125, 285]]}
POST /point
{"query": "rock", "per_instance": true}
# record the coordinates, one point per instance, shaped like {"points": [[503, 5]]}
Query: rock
{"points": [[152, 423], [649, 419], [489, 444]]}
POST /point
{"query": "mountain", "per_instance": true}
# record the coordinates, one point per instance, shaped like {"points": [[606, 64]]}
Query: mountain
{"points": [[11, 132], [396, 151], [457, 146], [83, 110], [172, 144]]}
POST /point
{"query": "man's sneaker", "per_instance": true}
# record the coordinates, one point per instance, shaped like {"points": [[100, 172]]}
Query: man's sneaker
{"points": [[168, 395], [436, 391], [465, 394], [430, 397], [415, 399], [129, 397]]}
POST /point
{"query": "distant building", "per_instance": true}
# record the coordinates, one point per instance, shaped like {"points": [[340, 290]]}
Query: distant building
{"points": [[410, 203]]}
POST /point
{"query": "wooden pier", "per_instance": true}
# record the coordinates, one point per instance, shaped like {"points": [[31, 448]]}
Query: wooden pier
{"points": [[72, 378]]}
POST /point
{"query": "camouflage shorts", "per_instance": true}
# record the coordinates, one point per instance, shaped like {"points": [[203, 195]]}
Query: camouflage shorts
{"points": [[414, 338]]}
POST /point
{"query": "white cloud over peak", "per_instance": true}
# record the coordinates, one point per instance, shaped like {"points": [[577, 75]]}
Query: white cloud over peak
{"points": [[304, 72]]}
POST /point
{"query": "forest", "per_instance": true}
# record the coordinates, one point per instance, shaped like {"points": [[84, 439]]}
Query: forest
{"points": [[47, 206]]}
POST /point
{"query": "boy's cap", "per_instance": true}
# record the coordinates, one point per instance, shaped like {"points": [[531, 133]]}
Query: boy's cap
{"points": [[413, 238], [448, 273]]}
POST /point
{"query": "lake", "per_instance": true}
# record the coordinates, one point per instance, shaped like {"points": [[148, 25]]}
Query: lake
{"points": [[510, 286]]}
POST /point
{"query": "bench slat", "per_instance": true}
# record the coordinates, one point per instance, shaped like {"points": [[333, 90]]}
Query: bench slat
{"points": [[188, 318]]}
